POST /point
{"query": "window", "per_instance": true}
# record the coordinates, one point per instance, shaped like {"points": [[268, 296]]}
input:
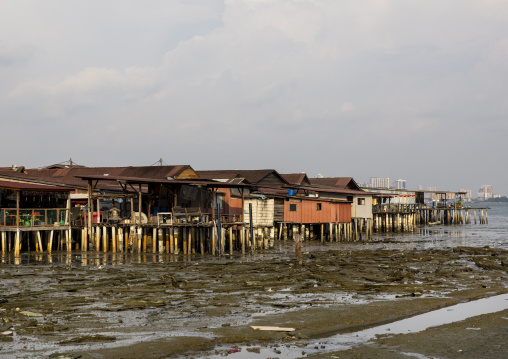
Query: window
{"points": [[292, 207], [318, 207], [361, 201]]}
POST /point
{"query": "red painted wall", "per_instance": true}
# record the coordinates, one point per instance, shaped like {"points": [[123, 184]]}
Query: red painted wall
{"points": [[308, 212]]}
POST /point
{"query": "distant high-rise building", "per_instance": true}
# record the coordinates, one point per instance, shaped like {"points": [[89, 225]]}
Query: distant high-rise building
{"points": [[399, 184], [485, 192], [380, 182], [431, 196], [468, 196]]}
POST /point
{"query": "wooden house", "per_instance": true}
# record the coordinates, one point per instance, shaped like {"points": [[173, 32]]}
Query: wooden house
{"points": [[31, 214]]}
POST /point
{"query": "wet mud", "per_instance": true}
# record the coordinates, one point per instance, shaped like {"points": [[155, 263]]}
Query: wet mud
{"points": [[155, 306]]}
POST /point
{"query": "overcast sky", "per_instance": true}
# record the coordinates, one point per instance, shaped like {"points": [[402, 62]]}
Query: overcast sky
{"points": [[364, 88]]}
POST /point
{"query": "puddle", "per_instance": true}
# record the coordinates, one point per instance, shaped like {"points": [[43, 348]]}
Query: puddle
{"points": [[338, 342]]}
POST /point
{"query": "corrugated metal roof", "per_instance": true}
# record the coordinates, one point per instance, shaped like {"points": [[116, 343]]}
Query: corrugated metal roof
{"points": [[335, 190], [296, 178], [31, 186], [339, 182], [70, 176], [142, 180], [251, 176]]}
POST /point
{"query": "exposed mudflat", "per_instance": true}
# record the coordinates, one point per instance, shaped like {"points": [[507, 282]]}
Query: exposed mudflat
{"points": [[154, 306]]}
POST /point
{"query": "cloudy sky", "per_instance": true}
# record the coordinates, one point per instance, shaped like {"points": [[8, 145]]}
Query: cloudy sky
{"points": [[365, 88]]}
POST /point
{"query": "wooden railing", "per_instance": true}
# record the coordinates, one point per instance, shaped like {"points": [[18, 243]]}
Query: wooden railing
{"points": [[34, 217]]}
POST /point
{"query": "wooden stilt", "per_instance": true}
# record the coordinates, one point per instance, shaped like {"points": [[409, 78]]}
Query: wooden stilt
{"points": [[50, 242], [242, 239], [4, 243], [161, 240], [202, 240], [154, 240], [114, 239], [171, 240], [17, 243], [120, 239], [230, 240], [68, 243], [105, 239], [184, 233], [168, 242]]}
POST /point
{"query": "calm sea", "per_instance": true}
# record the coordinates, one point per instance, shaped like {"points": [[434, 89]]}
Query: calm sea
{"points": [[494, 234]]}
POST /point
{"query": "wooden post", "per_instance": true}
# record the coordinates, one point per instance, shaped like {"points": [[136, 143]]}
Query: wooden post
{"points": [[17, 242], [298, 247], [230, 230], [105, 239], [68, 244], [154, 240], [242, 239], [120, 239], [214, 240], [161, 240], [201, 240], [145, 238], [171, 240], [39, 241], [139, 238], [50, 242], [184, 230], [322, 233], [190, 243], [222, 239], [177, 232], [3, 242], [114, 239], [166, 236]]}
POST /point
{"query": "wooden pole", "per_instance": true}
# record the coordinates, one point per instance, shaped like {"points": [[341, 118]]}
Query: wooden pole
{"points": [[201, 240], [154, 240], [120, 239], [171, 240], [242, 239], [230, 240], [3, 242], [114, 239], [177, 234], [105, 239], [17, 243], [161, 240], [166, 235], [184, 240]]}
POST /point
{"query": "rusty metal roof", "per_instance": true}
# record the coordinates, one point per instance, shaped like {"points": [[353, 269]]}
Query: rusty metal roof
{"points": [[71, 176], [339, 182], [142, 180], [14, 185], [296, 178], [251, 176], [334, 190]]}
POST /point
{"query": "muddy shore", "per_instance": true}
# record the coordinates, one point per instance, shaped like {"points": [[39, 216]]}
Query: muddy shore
{"points": [[155, 306]]}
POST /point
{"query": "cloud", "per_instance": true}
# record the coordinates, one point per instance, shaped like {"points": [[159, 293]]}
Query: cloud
{"points": [[274, 83], [347, 107]]}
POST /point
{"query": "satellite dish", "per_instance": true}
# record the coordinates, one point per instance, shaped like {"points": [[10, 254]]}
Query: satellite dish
{"points": [[144, 219]]}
